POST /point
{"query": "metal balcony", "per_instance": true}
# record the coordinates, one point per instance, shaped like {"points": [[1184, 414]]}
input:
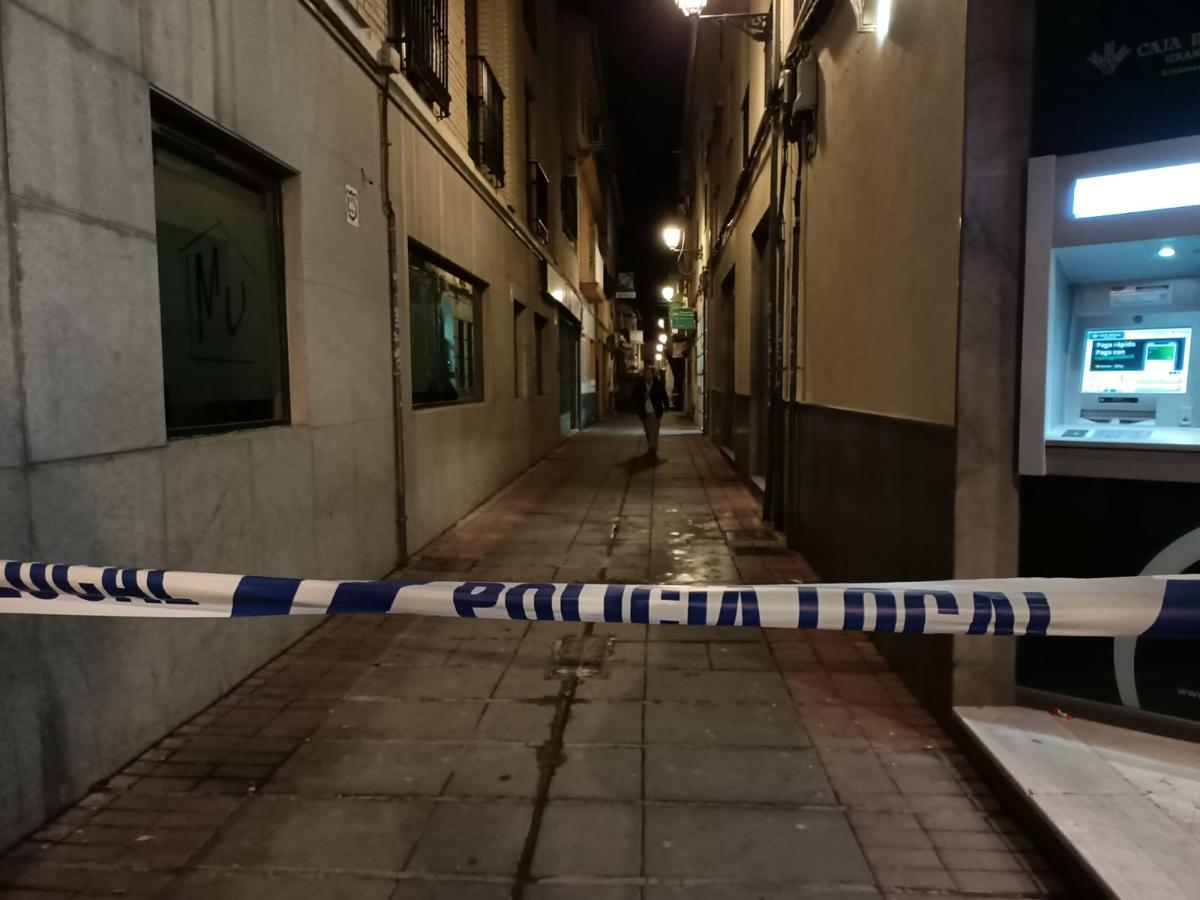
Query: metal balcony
{"points": [[487, 119]]}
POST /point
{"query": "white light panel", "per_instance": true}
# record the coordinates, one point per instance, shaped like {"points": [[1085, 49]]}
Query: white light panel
{"points": [[1144, 190]]}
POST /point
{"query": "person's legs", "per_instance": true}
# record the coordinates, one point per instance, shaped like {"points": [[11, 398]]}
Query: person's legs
{"points": [[652, 426]]}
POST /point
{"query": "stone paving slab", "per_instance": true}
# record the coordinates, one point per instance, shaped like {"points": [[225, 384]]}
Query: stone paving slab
{"points": [[400, 758]]}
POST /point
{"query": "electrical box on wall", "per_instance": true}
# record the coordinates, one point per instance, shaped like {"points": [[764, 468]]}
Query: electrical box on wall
{"points": [[1110, 383]]}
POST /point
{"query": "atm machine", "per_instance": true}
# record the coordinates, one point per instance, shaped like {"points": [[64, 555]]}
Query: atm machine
{"points": [[1110, 381], [1109, 440]]}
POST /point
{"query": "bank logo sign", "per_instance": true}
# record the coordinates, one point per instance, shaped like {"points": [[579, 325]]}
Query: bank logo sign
{"points": [[1108, 61], [1175, 54]]}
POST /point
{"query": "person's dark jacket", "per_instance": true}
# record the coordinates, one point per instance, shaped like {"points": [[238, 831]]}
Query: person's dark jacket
{"points": [[658, 397]]}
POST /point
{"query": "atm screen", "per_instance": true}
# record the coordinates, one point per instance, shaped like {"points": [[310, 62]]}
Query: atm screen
{"points": [[1136, 361]]}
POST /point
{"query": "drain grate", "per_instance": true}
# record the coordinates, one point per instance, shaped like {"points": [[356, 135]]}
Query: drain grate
{"points": [[760, 551], [583, 657]]}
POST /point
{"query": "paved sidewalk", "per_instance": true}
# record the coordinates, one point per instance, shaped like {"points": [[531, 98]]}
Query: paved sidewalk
{"points": [[395, 758]]}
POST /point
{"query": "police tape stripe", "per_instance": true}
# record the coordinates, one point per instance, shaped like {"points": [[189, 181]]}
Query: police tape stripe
{"points": [[1110, 607]]}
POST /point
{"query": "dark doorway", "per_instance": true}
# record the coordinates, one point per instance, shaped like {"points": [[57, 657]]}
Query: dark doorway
{"points": [[568, 373], [760, 287], [723, 387]]}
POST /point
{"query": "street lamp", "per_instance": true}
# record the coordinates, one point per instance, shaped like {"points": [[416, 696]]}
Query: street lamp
{"points": [[672, 236], [757, 25], [668, 293], [662, 338], [662, 323]]}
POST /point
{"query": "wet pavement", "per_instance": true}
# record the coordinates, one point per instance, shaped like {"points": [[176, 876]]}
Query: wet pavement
{"points": [[395, 758]]}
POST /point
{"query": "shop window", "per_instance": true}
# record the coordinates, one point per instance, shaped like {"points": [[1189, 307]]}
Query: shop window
{"points": [[445, 325], [220, 278]]}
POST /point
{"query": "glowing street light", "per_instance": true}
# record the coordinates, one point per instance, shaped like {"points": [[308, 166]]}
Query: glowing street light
{"points": [[662, 338], [662, 323], [672, 236], [691, 7], [668, 293]]}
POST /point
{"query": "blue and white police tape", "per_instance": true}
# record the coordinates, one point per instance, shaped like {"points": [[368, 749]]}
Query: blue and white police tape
{"points": [[1145, 605]]}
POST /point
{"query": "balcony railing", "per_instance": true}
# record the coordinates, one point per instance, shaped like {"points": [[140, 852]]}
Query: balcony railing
{"points": [[487, 120], [423, 28], [539, 202]]}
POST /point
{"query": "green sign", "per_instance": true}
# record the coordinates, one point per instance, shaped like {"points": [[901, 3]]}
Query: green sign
{"points": [[684, 319]]}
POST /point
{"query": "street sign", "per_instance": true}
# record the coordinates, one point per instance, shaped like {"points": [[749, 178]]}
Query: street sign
{"points": [[626, 290], [683, 319]]}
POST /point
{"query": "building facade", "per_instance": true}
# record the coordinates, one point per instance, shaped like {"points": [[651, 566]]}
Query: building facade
{"points": [[289, 287], [855, 196]]}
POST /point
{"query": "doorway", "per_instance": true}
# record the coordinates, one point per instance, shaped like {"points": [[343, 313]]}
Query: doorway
{"points": [[568, 374]]}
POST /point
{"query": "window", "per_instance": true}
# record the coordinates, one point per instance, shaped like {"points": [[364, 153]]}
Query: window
{"points": [[520, 352], [220, 277], [422, 28], [570, 202], [487, 120], [746, 129], [445, 323], [539, 352], [529, 17]]}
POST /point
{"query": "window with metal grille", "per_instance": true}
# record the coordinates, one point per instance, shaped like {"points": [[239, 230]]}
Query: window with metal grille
{"points": [[487, 119], [422, 28]]}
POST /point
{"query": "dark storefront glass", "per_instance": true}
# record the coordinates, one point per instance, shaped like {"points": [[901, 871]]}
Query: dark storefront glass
{"points": [[220, 273], [445, 318]]}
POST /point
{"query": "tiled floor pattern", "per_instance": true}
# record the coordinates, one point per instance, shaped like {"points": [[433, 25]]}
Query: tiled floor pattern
{"points": [[395, 758]]}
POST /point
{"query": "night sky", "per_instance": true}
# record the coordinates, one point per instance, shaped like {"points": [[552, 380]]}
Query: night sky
{"points": [[645, 45]]}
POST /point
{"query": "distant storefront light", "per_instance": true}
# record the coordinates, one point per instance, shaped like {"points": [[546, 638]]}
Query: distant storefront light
{"points": [[883, 19], [1143, 190]]}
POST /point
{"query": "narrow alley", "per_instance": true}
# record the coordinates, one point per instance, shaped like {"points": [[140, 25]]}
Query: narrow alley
{"points": [[395, 758]]}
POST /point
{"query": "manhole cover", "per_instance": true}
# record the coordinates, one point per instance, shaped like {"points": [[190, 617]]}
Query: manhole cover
{"points": [[584, 657]]}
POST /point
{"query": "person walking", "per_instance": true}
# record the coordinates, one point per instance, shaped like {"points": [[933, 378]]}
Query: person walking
{"points": [[650, 401]]}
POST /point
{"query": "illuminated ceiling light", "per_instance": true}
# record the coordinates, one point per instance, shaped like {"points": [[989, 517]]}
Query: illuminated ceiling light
{"points": [[1143, 190], [883, 19], [559, 294], [672, 236], [691, 7], [668, 293], [1166, 252]]}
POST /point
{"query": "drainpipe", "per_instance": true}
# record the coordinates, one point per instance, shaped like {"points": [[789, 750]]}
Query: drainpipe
{"points": [[389, 214]]}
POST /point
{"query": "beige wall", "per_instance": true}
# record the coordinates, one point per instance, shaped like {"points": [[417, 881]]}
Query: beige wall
{"points": [[883, 204]]}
